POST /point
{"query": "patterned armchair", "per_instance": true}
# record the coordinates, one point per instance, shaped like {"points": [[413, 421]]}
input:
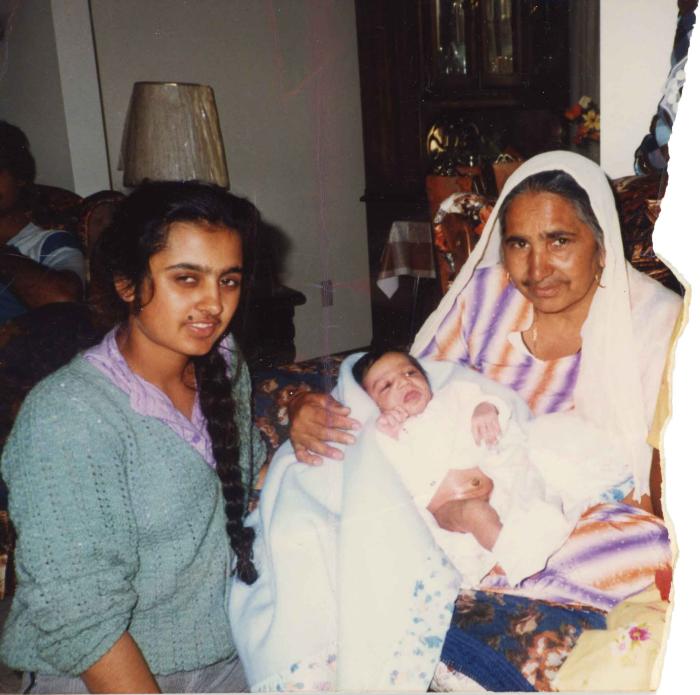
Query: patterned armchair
{"points": [[34, 345]]}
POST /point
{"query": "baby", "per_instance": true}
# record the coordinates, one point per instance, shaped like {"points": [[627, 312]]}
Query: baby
{"points": [[465, 463], [399, 386]]}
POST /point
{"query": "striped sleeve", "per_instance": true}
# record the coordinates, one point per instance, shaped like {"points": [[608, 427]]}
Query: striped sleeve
{"points": [[61, 251]]}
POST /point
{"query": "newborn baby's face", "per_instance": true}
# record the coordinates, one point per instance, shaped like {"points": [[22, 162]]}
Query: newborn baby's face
{"points": [[393, 382]]}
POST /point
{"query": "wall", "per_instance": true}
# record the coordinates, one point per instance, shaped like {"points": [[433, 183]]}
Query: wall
{"points": [[81, 95], [636, 38], [30, 91], [286, 82]]}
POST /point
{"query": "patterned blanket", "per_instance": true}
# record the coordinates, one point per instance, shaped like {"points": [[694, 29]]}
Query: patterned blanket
{"points": [[513, 643], [517, 638]]}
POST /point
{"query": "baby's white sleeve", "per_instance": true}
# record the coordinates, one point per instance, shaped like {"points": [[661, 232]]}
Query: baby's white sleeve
{"points": [[467, 395]]}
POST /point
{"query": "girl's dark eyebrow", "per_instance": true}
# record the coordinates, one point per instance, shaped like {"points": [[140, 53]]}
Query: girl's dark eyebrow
{"points": [[189, 266], [203, 269]]}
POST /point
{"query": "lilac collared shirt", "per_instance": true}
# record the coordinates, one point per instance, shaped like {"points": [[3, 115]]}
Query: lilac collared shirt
{"points": [[147, 399]]}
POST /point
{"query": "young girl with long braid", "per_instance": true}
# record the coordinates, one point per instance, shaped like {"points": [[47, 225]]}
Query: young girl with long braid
{"points": [[130, 469]]}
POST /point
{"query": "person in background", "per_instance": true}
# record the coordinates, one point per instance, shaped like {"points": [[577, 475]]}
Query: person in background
{"points": [[37, 266]]}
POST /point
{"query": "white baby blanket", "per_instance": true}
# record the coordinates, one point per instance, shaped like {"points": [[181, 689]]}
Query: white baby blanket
{"points": [[353, 592]]}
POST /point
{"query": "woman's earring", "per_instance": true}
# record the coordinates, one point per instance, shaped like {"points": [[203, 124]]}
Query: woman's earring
{"points": [[507, 276], [597, 276]]}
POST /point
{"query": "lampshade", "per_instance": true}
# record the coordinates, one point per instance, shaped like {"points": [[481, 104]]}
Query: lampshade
{"points": [[172, 133]]}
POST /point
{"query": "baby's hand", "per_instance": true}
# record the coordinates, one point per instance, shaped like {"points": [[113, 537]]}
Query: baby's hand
{"points": [[390, 421], [485, 426]]}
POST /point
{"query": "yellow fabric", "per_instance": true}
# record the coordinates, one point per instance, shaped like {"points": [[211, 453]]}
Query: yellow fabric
{"points": [[663, 403], [626, 656]]}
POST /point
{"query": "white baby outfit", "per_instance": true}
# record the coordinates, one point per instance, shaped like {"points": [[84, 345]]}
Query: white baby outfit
{"points": [[440, 439]]}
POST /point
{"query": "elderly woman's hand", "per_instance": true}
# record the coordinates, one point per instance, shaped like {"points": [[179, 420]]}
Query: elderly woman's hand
{"points": [[316, 419]]}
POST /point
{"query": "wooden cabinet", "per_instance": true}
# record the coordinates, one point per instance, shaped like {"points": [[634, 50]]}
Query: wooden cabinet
{"points": [[446, 82], [498, 49]]}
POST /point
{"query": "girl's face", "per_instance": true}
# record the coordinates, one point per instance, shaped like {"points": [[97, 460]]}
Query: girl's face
{"points": [[552, 256], [192, 292]]}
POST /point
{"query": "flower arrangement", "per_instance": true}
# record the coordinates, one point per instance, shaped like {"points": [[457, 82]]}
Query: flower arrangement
{"points": [[586, 114]]}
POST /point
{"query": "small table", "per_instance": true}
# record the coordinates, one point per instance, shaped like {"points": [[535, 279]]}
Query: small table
{"points": [[408, 251]]}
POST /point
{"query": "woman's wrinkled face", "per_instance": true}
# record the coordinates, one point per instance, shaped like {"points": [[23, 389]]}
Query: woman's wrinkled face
{"points": [[394, 382], [551, 255], [192, 292]]}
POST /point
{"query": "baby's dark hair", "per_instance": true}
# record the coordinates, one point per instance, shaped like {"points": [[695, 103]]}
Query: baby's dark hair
{"points": [[369, 359], [138, 231]]}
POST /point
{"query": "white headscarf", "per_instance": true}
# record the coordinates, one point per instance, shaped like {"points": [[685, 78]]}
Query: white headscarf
{"points": [[626, 334]]}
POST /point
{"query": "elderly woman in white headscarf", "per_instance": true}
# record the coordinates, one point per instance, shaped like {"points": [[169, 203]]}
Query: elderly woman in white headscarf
{"points": [[547, 305]]}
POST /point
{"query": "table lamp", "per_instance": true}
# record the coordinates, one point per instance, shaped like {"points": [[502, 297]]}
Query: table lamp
{"points": [[172, 133]]}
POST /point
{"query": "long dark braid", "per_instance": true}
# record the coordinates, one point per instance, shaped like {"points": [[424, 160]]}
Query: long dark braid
{"points": [[219, 409]]}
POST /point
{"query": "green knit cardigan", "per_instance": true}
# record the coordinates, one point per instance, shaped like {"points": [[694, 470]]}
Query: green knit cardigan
{"points": [[120, 527]]}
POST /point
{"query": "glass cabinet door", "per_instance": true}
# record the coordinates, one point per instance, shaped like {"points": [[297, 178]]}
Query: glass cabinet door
{"points": [[474, 44], [452, 38], [454, 59], [498, 37]]}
